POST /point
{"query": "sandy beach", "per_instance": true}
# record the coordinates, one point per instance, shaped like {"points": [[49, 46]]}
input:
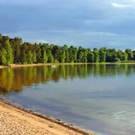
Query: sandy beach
{"points": [[16, 121], [58, 64], [38, 65]]}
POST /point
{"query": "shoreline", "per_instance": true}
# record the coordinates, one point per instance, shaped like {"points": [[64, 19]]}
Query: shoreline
{"points": [[58, 64], [38, 65], [51, 122]]}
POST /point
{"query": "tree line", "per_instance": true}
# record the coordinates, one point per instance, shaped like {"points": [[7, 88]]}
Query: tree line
{"points": [[15, 51]]}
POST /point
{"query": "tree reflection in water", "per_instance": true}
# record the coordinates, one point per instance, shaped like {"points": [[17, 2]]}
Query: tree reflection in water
{"points": [[13, 80]]}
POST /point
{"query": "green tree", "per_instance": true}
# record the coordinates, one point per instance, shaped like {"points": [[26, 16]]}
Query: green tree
{"points": [[66, 53], [102, 54], [62, 55], [34, 58], [29, 57], [96, 55], [50, 57], [3, 55], [90, 56], [45, 57], [16, 45], [129, 54], [9, 50]]}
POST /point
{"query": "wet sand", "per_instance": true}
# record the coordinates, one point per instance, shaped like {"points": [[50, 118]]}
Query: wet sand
{"points": [[17, 121]]}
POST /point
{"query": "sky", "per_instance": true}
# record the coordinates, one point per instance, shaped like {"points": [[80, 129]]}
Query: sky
{"points": [[87, 23]]}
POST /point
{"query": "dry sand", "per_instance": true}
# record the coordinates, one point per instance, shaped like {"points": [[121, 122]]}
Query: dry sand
{"points": [[37, 65], [50, 64], [15, 121]]}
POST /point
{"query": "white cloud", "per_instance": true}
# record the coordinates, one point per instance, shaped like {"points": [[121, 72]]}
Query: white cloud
{"points": [[118, 5]]}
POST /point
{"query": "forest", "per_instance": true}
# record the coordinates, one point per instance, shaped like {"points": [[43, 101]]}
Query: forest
{"points": [[16, 51]]}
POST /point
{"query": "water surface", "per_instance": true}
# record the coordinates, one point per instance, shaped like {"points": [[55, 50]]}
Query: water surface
{"points": [[97, 97]]}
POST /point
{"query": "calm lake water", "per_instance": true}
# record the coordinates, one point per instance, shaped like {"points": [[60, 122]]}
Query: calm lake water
{"points": [[97, 97]]}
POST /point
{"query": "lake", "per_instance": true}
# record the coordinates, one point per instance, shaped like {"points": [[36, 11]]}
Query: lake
{"points": [[96, 97]]}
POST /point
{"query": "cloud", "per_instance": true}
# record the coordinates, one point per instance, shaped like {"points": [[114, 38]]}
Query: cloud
{"points": [[78, 38], [87, 24], [118, 5]]}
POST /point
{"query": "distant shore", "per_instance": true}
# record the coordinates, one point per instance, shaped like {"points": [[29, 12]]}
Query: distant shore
{"points": [[56, 64], [20, 121], [40, 64]]}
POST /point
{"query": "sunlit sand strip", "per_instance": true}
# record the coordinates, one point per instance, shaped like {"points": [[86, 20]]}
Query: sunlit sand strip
{"points": [[57, 64], [39, 64], [17, 121]]}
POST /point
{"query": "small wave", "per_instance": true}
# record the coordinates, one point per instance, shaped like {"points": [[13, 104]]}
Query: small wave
{"points": [[126, 118]]}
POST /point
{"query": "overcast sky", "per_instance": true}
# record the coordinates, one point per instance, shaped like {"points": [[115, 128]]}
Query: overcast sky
{"points": [[87, 23]]}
